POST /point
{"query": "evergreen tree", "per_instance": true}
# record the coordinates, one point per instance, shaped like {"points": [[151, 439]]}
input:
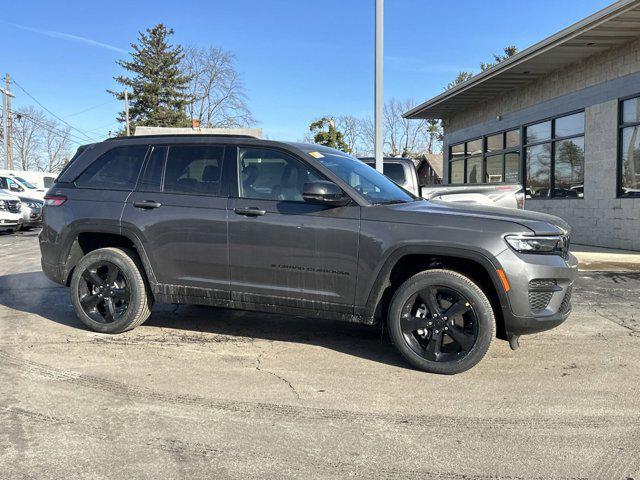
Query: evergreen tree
{"points": [[156, 83], [332, 137]]}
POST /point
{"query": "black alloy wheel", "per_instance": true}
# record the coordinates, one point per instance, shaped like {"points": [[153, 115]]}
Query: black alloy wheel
{"points": [[439, 324], [103, 292]]}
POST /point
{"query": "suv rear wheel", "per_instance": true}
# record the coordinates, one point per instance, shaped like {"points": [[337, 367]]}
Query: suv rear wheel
{"points": [[441, 322], [108, 291]]}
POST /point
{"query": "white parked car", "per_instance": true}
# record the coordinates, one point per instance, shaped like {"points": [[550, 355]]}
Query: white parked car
{"points": [[10, 212], [18, 186], [42, 180]]}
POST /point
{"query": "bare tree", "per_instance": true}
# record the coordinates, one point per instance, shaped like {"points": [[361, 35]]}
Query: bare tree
{"points": [[356, 134], [57, 143], [217, 94], [28, 129], [404, 137]]}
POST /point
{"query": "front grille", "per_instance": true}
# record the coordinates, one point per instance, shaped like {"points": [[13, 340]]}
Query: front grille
{"points": [[13, 206], [539, 300], [565, 306]]}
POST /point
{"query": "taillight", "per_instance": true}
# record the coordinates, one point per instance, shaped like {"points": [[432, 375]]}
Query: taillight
{"points": [[54, 200]]}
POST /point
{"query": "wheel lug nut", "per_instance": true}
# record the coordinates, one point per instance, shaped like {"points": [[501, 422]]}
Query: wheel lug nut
{"points": [[446, 328]]}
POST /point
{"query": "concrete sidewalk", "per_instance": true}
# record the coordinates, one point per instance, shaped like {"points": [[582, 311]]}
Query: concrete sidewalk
{"points": [[606, 259]]}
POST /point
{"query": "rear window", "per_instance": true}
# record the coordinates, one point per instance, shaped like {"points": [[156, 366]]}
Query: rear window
{"points": [[394, 171], [116, 169]]}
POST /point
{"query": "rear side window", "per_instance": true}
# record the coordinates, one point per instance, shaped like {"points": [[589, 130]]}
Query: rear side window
{"points": [[194, 169], [116, 169]]}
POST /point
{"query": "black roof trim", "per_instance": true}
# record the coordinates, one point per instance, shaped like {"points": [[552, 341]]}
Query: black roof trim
{"points": [[181, 135]]}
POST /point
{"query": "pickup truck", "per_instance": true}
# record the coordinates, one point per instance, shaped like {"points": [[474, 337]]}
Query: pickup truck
{"points": [[405, 173]]}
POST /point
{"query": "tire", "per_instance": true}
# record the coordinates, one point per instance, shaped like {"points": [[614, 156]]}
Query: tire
{"points": [[126, 292], [447, 343]]}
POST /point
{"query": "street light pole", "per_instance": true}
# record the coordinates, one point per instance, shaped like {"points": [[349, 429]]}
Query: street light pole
{"points": [[6, 123], [379, 109], [126, 110]]}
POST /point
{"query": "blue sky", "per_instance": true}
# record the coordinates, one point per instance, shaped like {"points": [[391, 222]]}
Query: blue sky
{"points": [[299, 59]]}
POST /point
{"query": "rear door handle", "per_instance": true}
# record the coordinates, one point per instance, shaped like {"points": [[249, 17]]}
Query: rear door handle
{"points": [[249, 212], [147, 204]]}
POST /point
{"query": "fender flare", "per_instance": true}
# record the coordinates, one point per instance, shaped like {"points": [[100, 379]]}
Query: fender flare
{"points": [[70, 255], [382, 280]]}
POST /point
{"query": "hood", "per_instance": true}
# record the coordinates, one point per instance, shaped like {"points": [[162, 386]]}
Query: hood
{"points": [[539, 223], [5, 195]]}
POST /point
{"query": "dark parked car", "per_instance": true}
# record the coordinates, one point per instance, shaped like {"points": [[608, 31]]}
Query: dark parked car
{"points": [[300, 229]]}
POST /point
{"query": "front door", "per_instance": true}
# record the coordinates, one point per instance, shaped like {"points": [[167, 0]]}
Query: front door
{"points": [[180, 212], [282, 250]]}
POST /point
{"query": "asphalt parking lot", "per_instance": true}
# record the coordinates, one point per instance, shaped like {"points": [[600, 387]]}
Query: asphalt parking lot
{"points": [[207, 393]]}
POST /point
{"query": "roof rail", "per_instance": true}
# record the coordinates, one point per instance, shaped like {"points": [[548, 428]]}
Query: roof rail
{"points": [[181, 135]]}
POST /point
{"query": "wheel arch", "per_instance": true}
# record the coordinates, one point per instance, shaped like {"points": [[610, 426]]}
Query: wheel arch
{"points": [[406, 261], [87, 239]]}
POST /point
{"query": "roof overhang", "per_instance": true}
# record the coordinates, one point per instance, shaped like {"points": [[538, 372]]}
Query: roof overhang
{"points": [[614, 25]]}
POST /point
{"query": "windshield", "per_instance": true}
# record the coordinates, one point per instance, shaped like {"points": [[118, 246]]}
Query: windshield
{"points": [[24, 182], [370, 183]]}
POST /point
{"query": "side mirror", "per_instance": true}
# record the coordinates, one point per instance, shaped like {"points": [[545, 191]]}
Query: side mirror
{"points": [[324, 193]]}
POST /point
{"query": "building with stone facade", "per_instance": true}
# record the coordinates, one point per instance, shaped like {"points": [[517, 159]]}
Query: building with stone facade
{"points": [[561, 117]]}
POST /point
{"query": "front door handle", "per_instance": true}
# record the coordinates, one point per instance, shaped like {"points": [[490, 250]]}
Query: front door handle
{"points": [[147, 204], [249, 212]]}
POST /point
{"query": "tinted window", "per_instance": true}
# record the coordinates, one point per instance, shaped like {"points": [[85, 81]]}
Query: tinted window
{"points": [[475, 147], [569, 168], [513, 138], [394, 171], [457, 172], [152, 175], [512, 167], [631, 110], [630, 153], [457, 150], [272, 175], [539, 132], [116, 169], [495, 142], [570, 125], [494, 168], [539, 170], [194, 169], [474, 170]]}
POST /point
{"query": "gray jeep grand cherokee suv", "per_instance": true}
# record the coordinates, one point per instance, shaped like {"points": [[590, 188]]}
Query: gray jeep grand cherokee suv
{"points": [[238, 222]]}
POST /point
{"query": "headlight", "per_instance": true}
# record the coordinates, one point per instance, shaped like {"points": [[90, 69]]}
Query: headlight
{"points": [[550, 245], [3, 205]]}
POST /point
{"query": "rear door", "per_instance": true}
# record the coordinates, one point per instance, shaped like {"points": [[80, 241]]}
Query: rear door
{"points": [[179, 210], [98, 195], [283, 250]]}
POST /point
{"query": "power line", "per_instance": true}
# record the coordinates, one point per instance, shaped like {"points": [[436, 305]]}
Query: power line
{"points": [[55, 131], [53, 114], [89, 109]]}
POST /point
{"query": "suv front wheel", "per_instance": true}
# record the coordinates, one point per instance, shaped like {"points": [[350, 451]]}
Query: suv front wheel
{"points": [[441, 322], [108, 291]]}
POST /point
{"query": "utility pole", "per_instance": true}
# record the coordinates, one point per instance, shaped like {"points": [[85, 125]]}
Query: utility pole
{"points": [[9, 124], [6, 123], [126, 110], [378, 108]]}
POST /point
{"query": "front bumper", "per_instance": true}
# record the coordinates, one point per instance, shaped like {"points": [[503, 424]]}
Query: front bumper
{"points": [[540, 294]]}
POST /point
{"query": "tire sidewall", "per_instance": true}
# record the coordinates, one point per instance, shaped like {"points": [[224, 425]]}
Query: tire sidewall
{"points": [[479, 302], [129, 270]]}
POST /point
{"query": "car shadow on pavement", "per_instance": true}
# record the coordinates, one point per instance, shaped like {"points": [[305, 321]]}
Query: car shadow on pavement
{"points": [[33, 293]]}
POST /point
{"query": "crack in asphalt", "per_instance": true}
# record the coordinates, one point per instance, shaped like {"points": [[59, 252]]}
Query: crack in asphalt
{"points": [[287, 382]]}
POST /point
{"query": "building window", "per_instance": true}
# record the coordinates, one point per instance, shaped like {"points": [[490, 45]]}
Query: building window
{"points": [[629, 156], [491, 159], [554, 157]]}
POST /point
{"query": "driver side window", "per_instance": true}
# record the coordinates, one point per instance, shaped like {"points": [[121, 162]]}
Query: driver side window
{"points": [[266, 174]]}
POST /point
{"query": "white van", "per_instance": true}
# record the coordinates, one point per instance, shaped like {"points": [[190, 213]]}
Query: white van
{"points": [[19, 186], [41, 180]]}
